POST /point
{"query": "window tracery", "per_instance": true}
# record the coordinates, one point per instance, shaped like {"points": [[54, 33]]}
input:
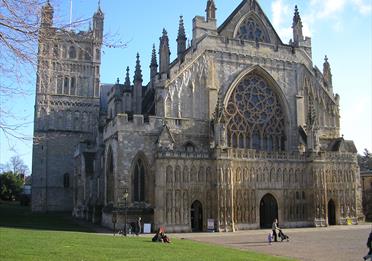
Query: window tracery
{"points": [[255, 119], [252, 30]]}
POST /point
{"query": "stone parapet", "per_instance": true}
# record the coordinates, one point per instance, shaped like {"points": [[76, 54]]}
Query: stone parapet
{"points": [[249, 154], [163, 153], [336, 157]]}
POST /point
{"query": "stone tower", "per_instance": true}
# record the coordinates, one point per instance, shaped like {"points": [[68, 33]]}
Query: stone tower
{"points": [[66, 107]]}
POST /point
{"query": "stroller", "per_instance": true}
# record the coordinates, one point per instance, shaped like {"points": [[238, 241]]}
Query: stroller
{"points": [[283, 236]]}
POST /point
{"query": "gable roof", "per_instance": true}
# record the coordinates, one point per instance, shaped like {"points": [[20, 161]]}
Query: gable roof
{"points": [[246, 6], [339, 144], [165, 138]]}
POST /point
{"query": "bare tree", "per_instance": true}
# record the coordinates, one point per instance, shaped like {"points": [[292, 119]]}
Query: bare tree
{"points": [[19, 32], [16, 165], [365, 160], [19, 23]]}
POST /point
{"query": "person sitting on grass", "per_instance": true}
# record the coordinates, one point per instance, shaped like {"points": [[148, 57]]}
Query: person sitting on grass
{"points": [[160, 236]]}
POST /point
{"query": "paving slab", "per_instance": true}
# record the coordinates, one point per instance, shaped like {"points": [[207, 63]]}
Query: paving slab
{"points": [[341, 243]]}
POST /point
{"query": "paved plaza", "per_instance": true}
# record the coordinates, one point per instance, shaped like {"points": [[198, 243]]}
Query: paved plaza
{"points": [[341, 243]]}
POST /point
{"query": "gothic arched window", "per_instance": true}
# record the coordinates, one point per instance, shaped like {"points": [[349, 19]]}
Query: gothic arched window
{"points": [[139, 181], [189, 147], [255, 119], [110, 177], [66, 180], [56, 51], [66, 85], [88, 54], [73, 86], [250, 29], [72, 52]]}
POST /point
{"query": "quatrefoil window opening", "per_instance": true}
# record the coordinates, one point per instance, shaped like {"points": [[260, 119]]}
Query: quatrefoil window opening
{"points": [[255, 119], [251, 30]]}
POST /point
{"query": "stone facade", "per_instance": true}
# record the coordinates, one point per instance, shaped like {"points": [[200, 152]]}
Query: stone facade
{"points": [[238, 130], [366, 180], [66, 107]]}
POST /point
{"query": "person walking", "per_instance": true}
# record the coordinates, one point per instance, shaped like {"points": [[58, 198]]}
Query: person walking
{"points": [[270, 238], [139, 226], [369, 245], [275, 228]]}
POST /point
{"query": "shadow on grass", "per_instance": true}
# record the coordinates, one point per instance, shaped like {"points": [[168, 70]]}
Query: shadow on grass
{"points": [[16, 216]]}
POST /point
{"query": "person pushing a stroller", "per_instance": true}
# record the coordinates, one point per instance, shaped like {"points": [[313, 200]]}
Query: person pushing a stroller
{"points": [[280, 233]]}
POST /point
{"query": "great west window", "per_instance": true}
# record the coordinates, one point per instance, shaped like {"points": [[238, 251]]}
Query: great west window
{"points": [[255, 119]]}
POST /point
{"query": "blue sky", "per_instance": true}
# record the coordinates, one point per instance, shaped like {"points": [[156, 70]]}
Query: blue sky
{"points": [[340, 29]]}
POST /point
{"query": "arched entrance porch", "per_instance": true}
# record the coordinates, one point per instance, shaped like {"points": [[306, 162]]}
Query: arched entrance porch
{"points": [[331, 213], [196, 216], [268, 211]]}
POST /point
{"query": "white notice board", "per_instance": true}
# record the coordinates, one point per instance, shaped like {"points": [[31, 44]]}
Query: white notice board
{"points": [[146, 228]]}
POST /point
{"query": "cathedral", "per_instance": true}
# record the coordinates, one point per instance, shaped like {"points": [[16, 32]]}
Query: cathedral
{"points": [[238, 130]]}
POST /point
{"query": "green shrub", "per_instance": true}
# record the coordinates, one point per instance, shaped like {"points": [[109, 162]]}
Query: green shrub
{"points": [[11, 186]]}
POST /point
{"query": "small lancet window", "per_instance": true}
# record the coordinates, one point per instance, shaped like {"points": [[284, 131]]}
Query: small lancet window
{"points": [[139, 181], [66, 180]]}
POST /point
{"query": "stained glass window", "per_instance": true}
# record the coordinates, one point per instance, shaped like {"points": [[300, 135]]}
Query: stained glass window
{"points": [[255, 119], [252, 30]]}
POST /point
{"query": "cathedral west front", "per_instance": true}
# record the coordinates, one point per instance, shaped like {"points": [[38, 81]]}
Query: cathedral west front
{"points": [[239, 129]]}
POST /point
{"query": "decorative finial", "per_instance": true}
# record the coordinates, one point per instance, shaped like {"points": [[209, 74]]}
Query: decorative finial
{"points": [[164, 41], [181, 40], [99, 10], [297, 28], [296, 17], [117, 80], [211, 10], [165, 32], [153, 56], [127, 79], [181, 28], [138, 72], [327, 74]]}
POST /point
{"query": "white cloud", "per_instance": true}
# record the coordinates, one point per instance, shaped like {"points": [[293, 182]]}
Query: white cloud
{"points": [[364, 8], [329, 8], [317, 11], [326, 8], [332, 10], [357, 114], [279, 11]]}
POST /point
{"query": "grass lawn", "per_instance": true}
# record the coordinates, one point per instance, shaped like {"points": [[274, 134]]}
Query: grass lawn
{"points": [[58, 239]]}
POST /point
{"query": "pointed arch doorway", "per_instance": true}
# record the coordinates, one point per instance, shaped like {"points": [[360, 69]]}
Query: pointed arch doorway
{"points": [[268, 211], [196, 217], [331, 213]]}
